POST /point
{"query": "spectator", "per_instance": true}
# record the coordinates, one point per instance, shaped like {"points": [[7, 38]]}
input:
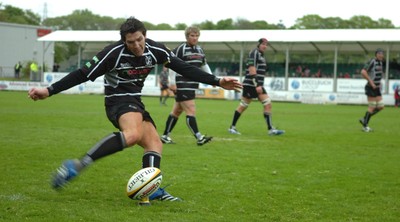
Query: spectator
{"points": [[17, 69], [56, 67], [34, 72], [397, 96]]}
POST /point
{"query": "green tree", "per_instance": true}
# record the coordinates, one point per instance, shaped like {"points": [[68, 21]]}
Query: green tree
{"points": [[12, 14], [83, 20], [163, 26], [148, 25], [355, 22], [365, 22], [225, 24], [243, 24], [309, 22], [180, 26], [206, 25]]}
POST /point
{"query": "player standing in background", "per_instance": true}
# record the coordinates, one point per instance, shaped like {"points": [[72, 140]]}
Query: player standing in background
{"points": [[164, 88], [253, 87], [373, 73], [186, 88], [397, 96], [125, 65]]}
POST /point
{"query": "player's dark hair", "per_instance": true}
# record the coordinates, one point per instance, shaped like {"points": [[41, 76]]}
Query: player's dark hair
{"points": [[379, 50], [131, 25]]}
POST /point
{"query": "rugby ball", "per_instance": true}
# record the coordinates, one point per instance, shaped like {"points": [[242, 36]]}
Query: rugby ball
{"points": [[144, 183]]}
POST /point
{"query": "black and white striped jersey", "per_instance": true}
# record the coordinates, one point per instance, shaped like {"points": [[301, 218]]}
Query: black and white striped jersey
{"points": [[256, 59], [193, 55], [374, 68], [124, 73]]}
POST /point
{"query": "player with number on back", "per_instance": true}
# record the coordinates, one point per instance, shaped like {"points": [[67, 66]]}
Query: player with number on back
{"points": [[125, 65]]}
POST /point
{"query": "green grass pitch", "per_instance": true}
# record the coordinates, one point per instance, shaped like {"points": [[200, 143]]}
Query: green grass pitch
{"points": [[323, 169]]}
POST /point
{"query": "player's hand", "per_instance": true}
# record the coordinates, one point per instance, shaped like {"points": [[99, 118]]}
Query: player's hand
{"points": [[38, 93], [230, 83], [373, 85], [173, 88]]}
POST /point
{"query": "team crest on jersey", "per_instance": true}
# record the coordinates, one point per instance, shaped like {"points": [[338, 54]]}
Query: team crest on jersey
{"points": [[125, 65], [148, 60]]}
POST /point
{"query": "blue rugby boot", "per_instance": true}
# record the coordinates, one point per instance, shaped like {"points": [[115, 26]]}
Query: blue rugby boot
{"points": [[163, 195], [66, 172]]}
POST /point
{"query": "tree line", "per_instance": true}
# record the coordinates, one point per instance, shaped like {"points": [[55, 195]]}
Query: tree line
{"points": [[86, 20]]}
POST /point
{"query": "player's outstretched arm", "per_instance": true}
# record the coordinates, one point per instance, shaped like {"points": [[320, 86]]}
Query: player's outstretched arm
{"points": [[38, 93], [230, 83], [199, 75]]}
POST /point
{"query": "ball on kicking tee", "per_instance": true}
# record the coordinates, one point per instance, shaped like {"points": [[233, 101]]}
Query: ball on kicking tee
{"points": [[144, 183]]}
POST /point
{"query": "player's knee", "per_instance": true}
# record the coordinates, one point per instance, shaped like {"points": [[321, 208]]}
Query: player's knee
{"points": [[176, 112], [380, 105], [244, 104], [131, 138], [266, 101], [372, 104]]}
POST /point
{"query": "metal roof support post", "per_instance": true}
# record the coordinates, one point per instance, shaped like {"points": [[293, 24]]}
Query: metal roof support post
{"points": [[42, 66], [156, 74], [79, 55], [241, 62], [287, 69], [387, 70], [335, 69]]}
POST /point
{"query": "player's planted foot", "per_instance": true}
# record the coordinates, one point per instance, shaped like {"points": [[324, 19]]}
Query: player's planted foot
{"points": [[66, 172], [233, 130], [203, 140], [166, 139], [366, 129], [163, 195], [275, 132]]}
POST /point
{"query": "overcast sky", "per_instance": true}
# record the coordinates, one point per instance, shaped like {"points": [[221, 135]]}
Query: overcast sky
{"points": [[190, 12]]}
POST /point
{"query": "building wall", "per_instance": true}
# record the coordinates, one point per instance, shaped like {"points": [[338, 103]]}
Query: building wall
{"points": [[19, 43]]}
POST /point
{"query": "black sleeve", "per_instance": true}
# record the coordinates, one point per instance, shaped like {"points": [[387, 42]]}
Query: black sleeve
{"points": [[72, 79], [192, 72]]}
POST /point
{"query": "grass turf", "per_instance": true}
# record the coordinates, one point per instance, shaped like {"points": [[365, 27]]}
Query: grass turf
{"points": [[323, 169]]}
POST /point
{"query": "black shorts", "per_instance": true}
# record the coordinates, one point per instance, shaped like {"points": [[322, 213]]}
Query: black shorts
{"points": [[184, 95], [251, 92], [164, 87], [116, 111], [371, 92]]}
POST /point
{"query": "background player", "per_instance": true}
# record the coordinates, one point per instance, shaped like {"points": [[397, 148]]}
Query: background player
{"points": [[164, 85], [373, 72], [253, 87], [186, 88], [125, 65]]}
